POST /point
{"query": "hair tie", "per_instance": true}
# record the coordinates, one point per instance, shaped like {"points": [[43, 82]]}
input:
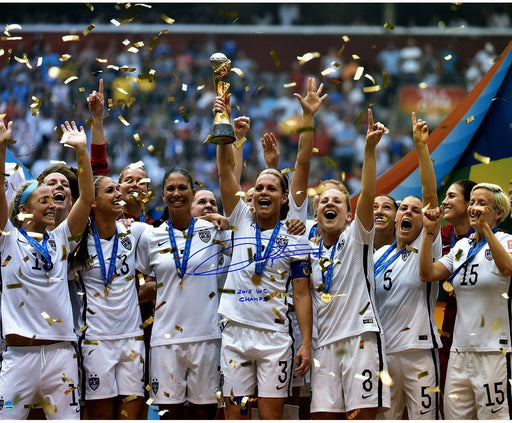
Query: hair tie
{"points": [[28, 191]]}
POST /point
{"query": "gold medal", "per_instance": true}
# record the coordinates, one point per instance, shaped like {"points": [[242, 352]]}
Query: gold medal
{"points": [[326, 297], [447, 286], [256, 279]]}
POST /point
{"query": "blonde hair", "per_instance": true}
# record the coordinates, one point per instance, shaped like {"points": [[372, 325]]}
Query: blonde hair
{"points": [[14, 204], [500, 200]]}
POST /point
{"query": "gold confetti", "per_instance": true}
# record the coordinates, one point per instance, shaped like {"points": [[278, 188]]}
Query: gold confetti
{"points": [[6, 261], [47, 318], [147, 322], [246, 363], [458, 255], [422, 85], [279, 316], [505, 295], [129, 398], [469, 119], [422, 374], [364, 308], [330, 161], [368, 76], [88, 29], [160, 305], [67, 38], [345, 38], [183, 113], [355, 57], [307, 57], [167, 19], [385, 79], [385, 378], [389, 26], [482, 159], [372, 89], [90, 6], [433, 389], [124, 121], [273, 54], [288, 170], [359, 73], [14, 285], [411, 249], [232, 363], [359, 117], [114, 22], [290, 84], [178, 328]]}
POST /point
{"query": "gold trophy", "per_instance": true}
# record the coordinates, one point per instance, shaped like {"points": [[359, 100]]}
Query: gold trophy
{"points": [[222, 132]]}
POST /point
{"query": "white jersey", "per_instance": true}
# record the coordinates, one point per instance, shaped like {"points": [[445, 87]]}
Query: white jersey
{"points": [[483, 306], [36, 303], [350, 309], [112, 313], [187, 311], [263, 305], [406, 304]]}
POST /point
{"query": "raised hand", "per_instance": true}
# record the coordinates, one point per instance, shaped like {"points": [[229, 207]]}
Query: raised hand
{"points": [[312, 101], [96, 102], [419, 130], [222, 104], [431, 218], [375, 130], [71, 136], [271, 152], [5, 132], [241, 126]]}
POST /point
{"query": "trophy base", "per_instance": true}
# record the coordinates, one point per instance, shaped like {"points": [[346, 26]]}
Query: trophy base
{"points": [[222, 134]]}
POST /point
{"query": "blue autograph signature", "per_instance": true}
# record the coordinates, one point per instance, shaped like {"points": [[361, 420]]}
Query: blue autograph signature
{"points": [[278, 251]]}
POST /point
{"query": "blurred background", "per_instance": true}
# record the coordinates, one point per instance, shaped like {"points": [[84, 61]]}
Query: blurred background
{"points": [[154, 59]]}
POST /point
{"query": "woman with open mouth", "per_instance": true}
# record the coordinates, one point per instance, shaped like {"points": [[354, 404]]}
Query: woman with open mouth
{"points": [[347, 385], [183, 253], [478, 271], [40, 366], [111, 343], [384, 213], [406, 304]]}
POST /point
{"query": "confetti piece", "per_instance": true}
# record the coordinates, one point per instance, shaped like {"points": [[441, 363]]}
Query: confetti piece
{"points": [[422, 374], [389, 26], [71, 78], [88, 29], [273, 54], [307, 57], [232, 363], [355, 57], [47, 318], [345, 38], [368, 76], [412, 249], [469, 119], [114, 22], [178, 328], [422, 85], [183, 114], [147, 322], [288, 170], [385, 378], [482, 159], [167, 19], [331, 162], [14, 285], [372, 89], [359, 73], [359, 117], [364, 308], [6, 261], [289, 85], [433, 389], [90, 6], [316, 363], [67, 38]]}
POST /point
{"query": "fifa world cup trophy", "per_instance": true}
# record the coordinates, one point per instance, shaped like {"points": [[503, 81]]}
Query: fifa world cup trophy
{"points": [[222, 131]]}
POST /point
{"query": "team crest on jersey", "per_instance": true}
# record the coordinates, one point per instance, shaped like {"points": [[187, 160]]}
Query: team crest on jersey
{"points": [[205, 235], [94, 382], [154, 385], [51, 243], [341, 245], [488, 254], [282, 241], [405, 255], [126, 242]]}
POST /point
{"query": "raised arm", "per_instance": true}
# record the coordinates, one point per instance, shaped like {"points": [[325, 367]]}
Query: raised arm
{"points": [[96, 103], [271, 152], [79, 213], [241, 126], [365, 201], [429, 271], [310, 105], [5, 135], [427, 174]]}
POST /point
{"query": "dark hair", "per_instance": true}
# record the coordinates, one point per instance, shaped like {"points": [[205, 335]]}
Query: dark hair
{"points": [[395, 203], [132, 166], [283, 181], [466, 185], [80, 255], [69, 172], [181, 171]]}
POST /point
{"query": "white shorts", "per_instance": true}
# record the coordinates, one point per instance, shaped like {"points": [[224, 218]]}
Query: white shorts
{"points": [[345, 375], [253, 358], [477, 386], [185, 372], [45, 375], [415, 375], [112, 368]]}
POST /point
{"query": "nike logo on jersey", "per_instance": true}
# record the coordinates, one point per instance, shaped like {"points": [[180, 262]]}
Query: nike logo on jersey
{"points": [[495, 411], [363, 396], [422, 412], [280, 387], [162, 242]]}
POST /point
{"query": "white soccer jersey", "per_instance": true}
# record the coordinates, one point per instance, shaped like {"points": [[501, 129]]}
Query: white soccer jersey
{"points": [[406, 304], [36, 303], [185, 312], [263, 305], [350, 308], [112, 313], [483, 305]]}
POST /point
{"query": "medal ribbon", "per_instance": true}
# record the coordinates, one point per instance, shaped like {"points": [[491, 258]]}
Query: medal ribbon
{"points": [[261, 262], [142, 218], [475, 248], [42, 248], [381, 264], [181, 266], [113, 257], [452, 242], [326, 279], [313, 231]]}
